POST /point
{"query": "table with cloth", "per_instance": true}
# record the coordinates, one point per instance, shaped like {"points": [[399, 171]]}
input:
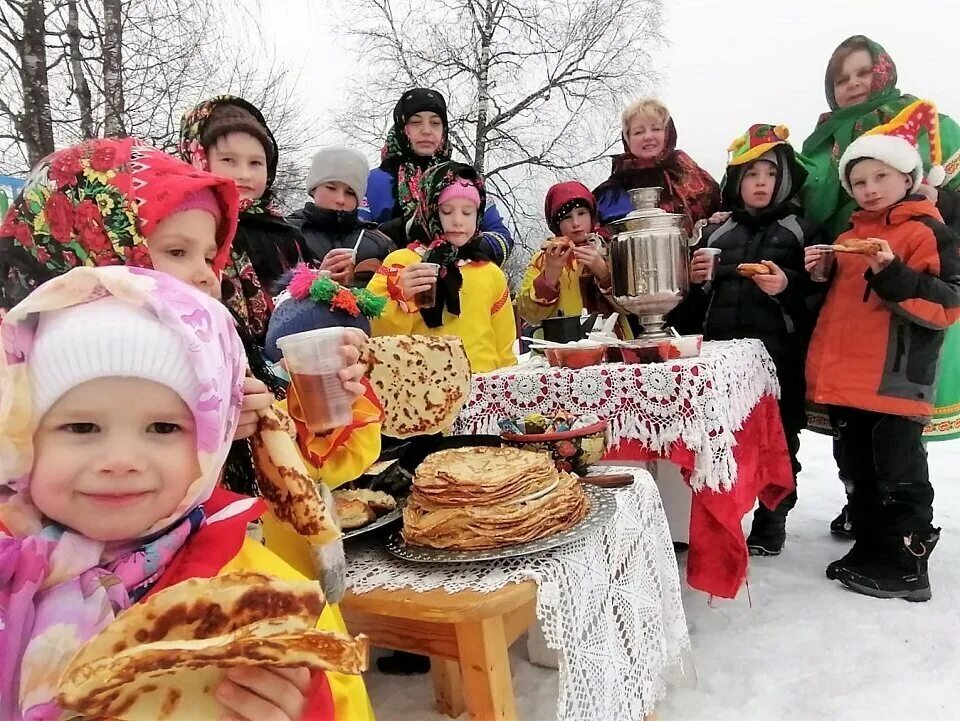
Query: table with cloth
{"points": [[609, 603], [715, 416]]}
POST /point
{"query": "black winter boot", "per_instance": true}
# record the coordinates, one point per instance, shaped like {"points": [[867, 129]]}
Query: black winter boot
{"points": [[768, 532], [900, 572], [841, 526], [864, 550]]}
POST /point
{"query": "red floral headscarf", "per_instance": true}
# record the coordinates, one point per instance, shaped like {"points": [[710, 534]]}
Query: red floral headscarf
{"points": [[95, 204]]}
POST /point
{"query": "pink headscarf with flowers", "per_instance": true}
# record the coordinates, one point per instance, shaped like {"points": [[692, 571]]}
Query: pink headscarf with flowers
{"points": [[57, 587], [95, 204]]}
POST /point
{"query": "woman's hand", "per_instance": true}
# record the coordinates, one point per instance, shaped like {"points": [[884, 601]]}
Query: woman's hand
{"points": [[415, 279], [882, 259], [354, 371], [256, 397], [264, 694], [774, 283], [719, 217], [590, 257], [339, 262]]}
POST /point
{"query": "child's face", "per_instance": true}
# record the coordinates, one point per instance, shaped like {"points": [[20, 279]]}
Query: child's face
{"points": [[458, 217], [242, 158], [757, 185], [184, 245], [113, 457], [335, 196], [877, 185], [647, 136], [425, 133], [576, 225], [852, 84]]}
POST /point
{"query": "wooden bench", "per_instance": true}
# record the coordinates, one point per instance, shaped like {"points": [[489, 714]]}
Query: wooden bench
{"points": [[466, 635]]}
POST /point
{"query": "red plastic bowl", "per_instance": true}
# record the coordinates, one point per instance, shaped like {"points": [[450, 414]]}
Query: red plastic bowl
{"points": [[575, 357]]}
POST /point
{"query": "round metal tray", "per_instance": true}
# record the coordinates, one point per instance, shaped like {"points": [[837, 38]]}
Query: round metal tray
{"points": [[603, 506], [395, 515]]}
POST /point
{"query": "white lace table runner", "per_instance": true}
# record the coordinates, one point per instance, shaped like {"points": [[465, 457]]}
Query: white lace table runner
{"points": [[609, 603], [701, 401]]}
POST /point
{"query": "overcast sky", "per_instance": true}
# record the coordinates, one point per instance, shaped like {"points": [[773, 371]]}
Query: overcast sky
{"points": [[728, 64]]}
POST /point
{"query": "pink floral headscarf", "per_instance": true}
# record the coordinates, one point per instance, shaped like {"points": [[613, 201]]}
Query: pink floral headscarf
{"points": [[57, 587]]}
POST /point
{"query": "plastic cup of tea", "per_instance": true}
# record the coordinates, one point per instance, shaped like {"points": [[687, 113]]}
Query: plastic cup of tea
{"points": [[714, 254], [820, 273], [428, 298], [314, 362]]}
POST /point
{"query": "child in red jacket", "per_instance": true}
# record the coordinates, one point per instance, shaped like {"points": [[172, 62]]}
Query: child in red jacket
{"points": [[874, 354]]}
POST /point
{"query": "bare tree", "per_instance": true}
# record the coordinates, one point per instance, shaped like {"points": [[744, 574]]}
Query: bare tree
{"points": [[24, 52], [127, 67], [533, 86], [80, 87], [112, 67]]}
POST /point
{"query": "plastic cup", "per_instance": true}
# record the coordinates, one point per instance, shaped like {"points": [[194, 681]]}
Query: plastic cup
{"points": [[820, 273], [428, 298], [314, 362], [714, 254]]}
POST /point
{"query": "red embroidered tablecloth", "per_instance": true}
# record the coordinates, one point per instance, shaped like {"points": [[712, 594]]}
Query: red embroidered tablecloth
{"points": [[715, 416]]}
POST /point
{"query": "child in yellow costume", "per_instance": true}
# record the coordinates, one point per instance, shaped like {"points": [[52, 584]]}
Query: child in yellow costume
{"points": [[472, 298], [569, 278], [310, 300]]}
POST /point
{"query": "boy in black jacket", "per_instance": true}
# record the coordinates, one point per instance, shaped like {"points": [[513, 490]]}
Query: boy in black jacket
{"points": [[763, 176]]}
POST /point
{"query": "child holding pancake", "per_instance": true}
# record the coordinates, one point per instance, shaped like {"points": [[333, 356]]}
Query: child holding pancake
{"points": [[874, 353], [124, 391]]}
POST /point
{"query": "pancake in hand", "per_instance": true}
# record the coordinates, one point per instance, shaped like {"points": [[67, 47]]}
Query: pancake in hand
{"points": [[858, 247], [748, 270], [162, 659], [561, 244]]}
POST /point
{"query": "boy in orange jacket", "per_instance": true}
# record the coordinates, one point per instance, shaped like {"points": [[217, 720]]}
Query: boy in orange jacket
{"points": [[874, 354]]}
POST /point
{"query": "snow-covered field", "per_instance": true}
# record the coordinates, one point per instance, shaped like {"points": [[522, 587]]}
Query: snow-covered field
{"points": [[806, 648]]}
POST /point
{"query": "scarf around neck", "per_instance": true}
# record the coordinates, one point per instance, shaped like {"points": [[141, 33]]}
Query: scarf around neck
{"points": [[436, 248], [57, 587], [687, 188]]}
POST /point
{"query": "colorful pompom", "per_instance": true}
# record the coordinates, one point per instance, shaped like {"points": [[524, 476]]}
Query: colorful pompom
{"points": [[323, 289], [345, 301], [370, 304], [303, 277]]}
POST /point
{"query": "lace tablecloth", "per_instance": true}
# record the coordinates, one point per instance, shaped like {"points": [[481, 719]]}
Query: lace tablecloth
{"points": [[700, 401], [609, 603]]}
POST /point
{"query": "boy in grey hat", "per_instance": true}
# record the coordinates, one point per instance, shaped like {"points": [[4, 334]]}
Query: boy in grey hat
{"points": [[331, 229]]}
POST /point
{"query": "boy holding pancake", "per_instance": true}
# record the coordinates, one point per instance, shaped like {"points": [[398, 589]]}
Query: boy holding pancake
{"points": [[874, 354]]}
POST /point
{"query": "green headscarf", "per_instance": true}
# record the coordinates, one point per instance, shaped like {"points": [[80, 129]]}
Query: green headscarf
{"points": [[824, 199]]}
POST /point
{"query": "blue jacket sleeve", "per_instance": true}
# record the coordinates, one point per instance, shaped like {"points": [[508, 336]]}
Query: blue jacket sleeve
{"points": [[377, 204], [496, 235]]}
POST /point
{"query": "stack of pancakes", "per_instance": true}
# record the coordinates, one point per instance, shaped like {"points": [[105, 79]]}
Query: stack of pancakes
{"points": [[481, 498]]}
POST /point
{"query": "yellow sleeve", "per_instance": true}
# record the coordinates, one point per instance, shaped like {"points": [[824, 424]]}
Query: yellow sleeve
{"points": [[398, 316], [342, 454], [533, 309], [504, 322], [350, 699]]}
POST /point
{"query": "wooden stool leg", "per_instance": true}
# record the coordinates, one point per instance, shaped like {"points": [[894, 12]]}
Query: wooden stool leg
{"points": [[447, 685], [485, 667]]}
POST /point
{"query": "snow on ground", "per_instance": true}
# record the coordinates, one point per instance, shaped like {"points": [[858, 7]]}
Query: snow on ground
{"points": [[806, 648]]}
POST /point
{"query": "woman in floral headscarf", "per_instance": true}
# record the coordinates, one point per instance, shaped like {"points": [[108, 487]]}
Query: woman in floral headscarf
{"points": [[472, 298], [418, 140], [861, 90], [651, 159], [229, 137]]}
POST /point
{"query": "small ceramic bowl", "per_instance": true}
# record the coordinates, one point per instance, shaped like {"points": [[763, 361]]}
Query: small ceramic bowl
{"points": [[573, 451], [575, 357]]}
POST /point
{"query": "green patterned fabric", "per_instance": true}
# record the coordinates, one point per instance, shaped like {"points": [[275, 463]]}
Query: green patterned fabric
{"points": [[824, 200]]}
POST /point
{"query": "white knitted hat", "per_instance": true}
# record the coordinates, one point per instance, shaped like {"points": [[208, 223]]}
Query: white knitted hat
{"points": [[104, 338]]}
